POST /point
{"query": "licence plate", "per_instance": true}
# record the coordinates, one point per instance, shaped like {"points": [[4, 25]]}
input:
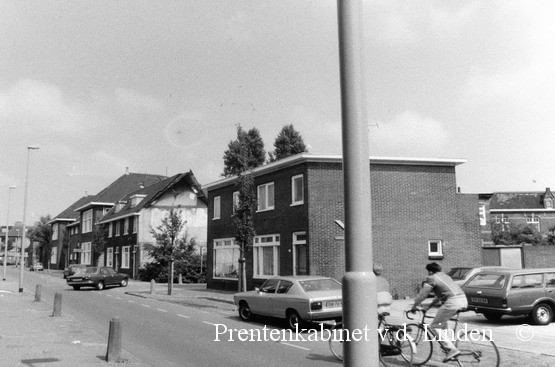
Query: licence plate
{"points": [[478, 300], [333, 304]]}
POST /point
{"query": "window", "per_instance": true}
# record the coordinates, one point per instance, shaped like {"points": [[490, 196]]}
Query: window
{"points": [[266, 197], [54, 256], [86, 253], [55, 231], [226, 258], [117, 224], [435, 249], [266, 255], [297, 190], [110, 257], [134, 224], [548, 204], [125, 257], [532, 219], [235, 200], [527, 281], [482, 211], [300, 254], [87, 221], [550, 280], [126, 226], [217, 207], [136, 199], [505, 219]]}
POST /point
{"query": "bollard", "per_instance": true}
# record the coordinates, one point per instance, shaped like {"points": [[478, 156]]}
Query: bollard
{"points": [[113, 354], [180, 279], [152, 286], [38, 292], [57, 305]]}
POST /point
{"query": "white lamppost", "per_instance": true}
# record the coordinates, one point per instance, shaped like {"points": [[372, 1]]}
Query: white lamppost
{"points": [[7, 231], [22, 258]]}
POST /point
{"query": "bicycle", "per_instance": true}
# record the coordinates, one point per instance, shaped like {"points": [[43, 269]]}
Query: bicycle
{"points": [[476, 347], [396, 347]]}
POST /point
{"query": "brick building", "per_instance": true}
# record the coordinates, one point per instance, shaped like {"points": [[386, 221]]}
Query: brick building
{"points": [[417, 217]]}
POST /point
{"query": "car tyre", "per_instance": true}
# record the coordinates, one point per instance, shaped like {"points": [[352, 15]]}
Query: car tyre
{"points": [[541, 314], [294, 320], [245, 312], [492, 316], [76, 287], [100, 285], [123, 283]]}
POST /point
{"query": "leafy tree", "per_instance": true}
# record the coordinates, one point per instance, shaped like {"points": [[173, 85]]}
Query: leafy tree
{"points": [[509, 234], [288, 142], [551, 236], [42, 234], [98, 242], [244, 153]]}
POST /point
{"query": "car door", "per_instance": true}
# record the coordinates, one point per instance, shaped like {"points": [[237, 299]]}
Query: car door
{"points": [[525, 290], [262, 302], [107, 277], [281, 301]]}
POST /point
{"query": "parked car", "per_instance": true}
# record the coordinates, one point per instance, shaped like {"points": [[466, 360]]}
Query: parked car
{"points": [[461, 274], [37, 267], [294, 298], [495, 293], [98, 277], [73, 269]]}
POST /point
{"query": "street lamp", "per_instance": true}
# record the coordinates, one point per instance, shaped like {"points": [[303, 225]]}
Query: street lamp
{"points": [[29, 148], [7, 231]]}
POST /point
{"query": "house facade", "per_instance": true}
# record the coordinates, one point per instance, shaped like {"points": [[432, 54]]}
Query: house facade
{"points": [[417, 217], [129, 223]]}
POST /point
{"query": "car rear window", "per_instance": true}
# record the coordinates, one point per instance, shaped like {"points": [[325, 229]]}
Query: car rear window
{"points": [[495, 281], [317, 285]]}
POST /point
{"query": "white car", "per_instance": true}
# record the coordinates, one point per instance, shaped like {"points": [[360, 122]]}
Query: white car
{"points": [[462, 274]]}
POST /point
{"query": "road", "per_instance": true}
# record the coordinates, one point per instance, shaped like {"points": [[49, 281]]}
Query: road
{"points": [[166, 334]]}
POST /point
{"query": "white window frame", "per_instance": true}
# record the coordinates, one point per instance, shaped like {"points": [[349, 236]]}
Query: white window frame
{"points": [[125, 258], [533, 219], [482, 212], [263, 197], [217, 207], [235, 201], [86, 253], [55, 231], [294, 186], [549, 204], [439, 252], [86, 226], [117, 224], [261, 243], [126, 226], [135, 224], [110, 230], [54, 255], [296, 242], [110, 257], [226, 244]]}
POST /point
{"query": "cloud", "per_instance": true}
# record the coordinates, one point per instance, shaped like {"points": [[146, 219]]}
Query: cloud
{"points": [[136, 102], [408, 134]]}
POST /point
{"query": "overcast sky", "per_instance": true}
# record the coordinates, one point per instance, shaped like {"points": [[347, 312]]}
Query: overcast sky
{"points": [[158, 86]]}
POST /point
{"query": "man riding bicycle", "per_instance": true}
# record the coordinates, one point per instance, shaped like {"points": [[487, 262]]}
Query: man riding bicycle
{"points": [[452, 298]]}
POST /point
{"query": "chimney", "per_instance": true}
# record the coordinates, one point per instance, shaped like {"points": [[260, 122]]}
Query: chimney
{"points": [[126, 170]]}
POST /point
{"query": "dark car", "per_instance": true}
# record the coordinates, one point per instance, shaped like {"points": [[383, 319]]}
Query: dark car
{"points": [[73, 269], [97, 277], [495, 293]]}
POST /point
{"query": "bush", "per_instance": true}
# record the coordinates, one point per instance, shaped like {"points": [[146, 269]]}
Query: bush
{"points": [[190, 271]]}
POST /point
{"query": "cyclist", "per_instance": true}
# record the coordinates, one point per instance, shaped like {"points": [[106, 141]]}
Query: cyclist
{"points": [[452, 298]]}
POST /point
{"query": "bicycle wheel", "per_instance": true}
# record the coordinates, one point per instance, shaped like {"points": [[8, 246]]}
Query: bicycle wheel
{"points": [[423, 339], [477, 349], [396, 348], [336, 340]]}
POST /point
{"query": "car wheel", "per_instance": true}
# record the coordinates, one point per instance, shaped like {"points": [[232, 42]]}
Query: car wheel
{"points": [[123, 283], [294, 320], [100, 285], [492, 316], [76, 287], [542, 314], [245, 312]]}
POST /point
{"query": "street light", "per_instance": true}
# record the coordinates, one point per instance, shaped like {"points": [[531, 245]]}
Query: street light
{"points": [[29, 148], [7, 231]]}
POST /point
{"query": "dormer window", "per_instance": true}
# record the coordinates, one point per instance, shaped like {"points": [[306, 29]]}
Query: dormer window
{"points": [[120, 205], [548, 203], [136, 199]]}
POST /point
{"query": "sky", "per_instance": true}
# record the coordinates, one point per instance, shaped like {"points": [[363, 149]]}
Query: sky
{"points": [[159, 87]]}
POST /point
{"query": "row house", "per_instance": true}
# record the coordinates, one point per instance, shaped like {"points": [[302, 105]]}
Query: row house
{"points": [[418, 216], [129, 223]]}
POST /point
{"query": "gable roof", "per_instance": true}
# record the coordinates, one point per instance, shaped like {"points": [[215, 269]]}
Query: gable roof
{"points": [[152, 193], [117, 189], [69, 214], [519, 200]]}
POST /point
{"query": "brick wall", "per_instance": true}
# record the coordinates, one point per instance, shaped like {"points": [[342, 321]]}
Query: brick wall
{"points": [[539, 256]]}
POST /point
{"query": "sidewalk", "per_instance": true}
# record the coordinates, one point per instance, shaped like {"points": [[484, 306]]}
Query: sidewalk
{"points": [[30, 336]]}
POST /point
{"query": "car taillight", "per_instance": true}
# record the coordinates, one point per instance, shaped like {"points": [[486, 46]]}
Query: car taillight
{"points": [[316, 306], [504, 300]]}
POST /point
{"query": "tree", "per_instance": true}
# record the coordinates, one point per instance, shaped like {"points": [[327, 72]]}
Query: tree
{"points": [[244, 153], [42, 234], [288, 142], [243, 218], [98, 242], [509, 234], [551, 236]]}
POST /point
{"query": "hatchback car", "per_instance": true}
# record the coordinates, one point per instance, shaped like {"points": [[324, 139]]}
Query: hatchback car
{"points": [[73, 269], [97, 277], [495, 293], [294, 298], [461, 274], [37, 267]]}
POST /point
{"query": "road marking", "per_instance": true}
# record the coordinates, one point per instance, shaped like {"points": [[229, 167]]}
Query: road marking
{"points": [[142, 304], [109, 295], [130, 301], [295, 346], [161, 310], [185, 317], [209, 323]]}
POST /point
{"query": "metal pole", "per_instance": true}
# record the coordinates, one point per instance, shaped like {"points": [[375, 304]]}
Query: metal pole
{"points": [[359, 282], [21, 260], [7, 231]]}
